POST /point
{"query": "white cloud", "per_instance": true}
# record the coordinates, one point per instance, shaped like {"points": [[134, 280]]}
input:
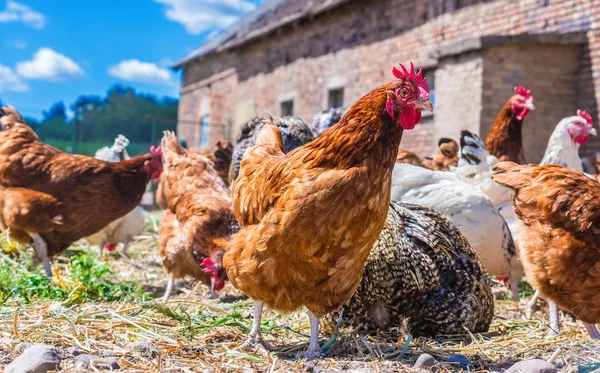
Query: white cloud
{"points": [[17, 12], [198, 16], [16, 43], [48, 64], [10, 81], [138, 71]]}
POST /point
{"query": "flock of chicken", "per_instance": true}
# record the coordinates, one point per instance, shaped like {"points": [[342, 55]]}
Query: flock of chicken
{"points": [[335, 218]]}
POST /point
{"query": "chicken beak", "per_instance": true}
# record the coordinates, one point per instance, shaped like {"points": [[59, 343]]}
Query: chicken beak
{"points": [[424, 105], [592, 131], [529, 106]]}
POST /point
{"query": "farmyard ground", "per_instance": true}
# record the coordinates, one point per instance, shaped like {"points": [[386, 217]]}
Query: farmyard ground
{"points": [[195, 334]]}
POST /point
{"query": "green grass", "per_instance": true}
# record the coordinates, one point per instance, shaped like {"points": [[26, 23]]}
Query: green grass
{"points": [[86, 279]]}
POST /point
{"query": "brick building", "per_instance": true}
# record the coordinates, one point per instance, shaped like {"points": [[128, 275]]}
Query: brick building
{"points": [[301, 56]]}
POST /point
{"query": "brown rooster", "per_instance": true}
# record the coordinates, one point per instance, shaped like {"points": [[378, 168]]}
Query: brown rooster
{"points": [[447, 155], [560, 236], [311, 216], [220, 156], [505, 140], [198, 211], [53, 199]]}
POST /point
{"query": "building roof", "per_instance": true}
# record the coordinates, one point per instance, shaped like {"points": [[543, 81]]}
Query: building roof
{"points": [[271, 15]]}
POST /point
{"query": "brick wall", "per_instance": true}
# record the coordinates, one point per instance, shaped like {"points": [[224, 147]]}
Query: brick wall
{"points": [[458, 81], [548, 71], [357, 43]]}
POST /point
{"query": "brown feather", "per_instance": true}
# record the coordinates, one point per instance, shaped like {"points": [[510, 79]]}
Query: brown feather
{"points": [[560, 237], [198, 211], [505, 140], [88, 193], [311, 216]]}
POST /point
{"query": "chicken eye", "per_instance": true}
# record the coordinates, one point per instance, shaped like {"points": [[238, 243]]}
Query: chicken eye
{"points": [[403, 92]]}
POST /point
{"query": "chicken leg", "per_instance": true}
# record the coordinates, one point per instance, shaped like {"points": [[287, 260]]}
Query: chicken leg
{"points": [[126, 244], [514, 288], [255, 341], [41, 250], [591, 328], [530, 307], [553, 310], [314, 350], [169, 289]]}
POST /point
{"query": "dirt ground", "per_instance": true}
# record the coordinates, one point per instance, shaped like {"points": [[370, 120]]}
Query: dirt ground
{"points": [[194, 334]]}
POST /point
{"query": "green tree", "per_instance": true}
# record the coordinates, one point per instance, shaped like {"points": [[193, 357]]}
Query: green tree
{"points": [[98, 120]]}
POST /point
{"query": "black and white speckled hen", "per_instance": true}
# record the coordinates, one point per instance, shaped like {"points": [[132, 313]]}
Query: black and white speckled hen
{"points": [[423, 274], [294, 132], [325, 119]]}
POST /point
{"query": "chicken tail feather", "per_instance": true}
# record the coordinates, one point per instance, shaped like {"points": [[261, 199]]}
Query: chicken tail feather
{"points": [[269, 136], [170, 147], [511, 175]]}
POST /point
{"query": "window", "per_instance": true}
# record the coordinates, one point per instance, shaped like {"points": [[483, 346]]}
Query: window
{"points": [[204, 131], [430, 75], [287, 108], [336, 98]]}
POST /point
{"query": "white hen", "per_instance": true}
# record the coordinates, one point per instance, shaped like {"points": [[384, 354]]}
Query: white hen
{"points": [[473, 213], [570, 133], [475, 166], [122, 230], [128, 226]]}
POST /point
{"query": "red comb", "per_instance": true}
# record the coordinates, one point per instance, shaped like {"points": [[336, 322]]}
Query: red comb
{"points": [[585, 115], [523, 92], [208, 266], [409, 74], [156, 150], [207, 263]]}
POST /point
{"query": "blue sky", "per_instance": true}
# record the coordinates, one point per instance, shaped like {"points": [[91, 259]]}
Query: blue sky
{"points": [[57, 50]]}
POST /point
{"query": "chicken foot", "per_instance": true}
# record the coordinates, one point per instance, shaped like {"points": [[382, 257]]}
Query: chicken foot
{"points": [[41, 251], [314, 350], [255, 342]]}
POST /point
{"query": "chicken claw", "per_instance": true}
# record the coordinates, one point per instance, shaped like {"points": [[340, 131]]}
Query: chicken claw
{"points": [[255, 342]]}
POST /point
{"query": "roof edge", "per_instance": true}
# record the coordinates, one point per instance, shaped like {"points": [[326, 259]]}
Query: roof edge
{"points": [[489, 41], [223, 43]]}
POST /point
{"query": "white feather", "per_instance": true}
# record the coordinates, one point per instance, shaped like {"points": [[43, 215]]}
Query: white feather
{"points": [[561, 150], [130, 225]]}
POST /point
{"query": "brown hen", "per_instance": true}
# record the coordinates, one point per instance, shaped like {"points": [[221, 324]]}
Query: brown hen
{"points": [[198, 211], [560, 236], [53, 199], [220, 156], [446, 156], [404, 156], [311, 216]]}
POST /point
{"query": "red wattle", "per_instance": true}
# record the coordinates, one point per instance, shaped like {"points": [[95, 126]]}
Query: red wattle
{"points": [[409, 118]]}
